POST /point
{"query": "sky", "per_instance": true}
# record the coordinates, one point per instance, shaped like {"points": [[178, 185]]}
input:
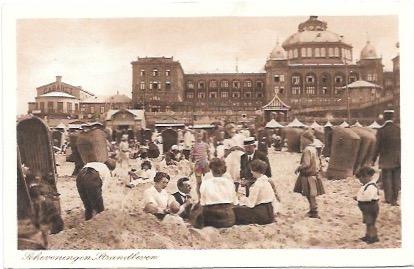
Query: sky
{"points": [[97, 53]]}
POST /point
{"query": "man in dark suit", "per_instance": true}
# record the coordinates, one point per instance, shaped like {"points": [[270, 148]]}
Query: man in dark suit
{"points": [[251, 154], [182, 196], [389, 151]]}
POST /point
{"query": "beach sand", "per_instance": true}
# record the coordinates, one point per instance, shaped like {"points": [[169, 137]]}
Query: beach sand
{"points": [[123, 224]]}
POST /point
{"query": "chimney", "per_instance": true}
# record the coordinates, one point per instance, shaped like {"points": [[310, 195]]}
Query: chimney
{"points": [[59, 79]]}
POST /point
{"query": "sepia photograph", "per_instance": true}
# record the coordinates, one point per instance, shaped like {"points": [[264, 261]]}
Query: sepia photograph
{"points": [[208, 133]]}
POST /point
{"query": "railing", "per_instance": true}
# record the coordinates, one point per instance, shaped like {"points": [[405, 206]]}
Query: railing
{"points": [[342, 105]]}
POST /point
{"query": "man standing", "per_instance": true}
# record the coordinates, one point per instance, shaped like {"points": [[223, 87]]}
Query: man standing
{"points": [[251, 154], [389, 151], [89, 183]]}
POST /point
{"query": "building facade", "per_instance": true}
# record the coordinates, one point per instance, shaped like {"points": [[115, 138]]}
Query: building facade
{"points": [[311, 68]]}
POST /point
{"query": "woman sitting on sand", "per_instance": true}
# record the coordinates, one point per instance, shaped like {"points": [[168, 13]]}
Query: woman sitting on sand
{"points": [[156, 199], [258, 208], [217, 197]]}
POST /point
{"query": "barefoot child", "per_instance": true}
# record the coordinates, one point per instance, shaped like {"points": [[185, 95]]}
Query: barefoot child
{"points": [[367, 198]]}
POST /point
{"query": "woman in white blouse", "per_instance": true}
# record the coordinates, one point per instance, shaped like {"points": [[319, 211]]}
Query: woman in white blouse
{"points": [[157, 200], [258, 207], [218, 197]]}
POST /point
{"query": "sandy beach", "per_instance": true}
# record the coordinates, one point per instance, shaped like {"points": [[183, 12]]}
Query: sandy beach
{"points": [[123, 225]]}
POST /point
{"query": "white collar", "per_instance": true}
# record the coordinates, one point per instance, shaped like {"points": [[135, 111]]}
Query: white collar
{"points": [[182, 194]]}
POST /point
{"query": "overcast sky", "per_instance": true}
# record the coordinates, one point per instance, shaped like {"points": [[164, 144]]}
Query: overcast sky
{"points": [[96, 53]]}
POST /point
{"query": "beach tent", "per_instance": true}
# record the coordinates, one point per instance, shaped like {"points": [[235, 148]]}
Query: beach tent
{"points": [[296, 123], [328, 124], [273, 124], [357, 124], [374, 125], [315, 125], [344, 125]]}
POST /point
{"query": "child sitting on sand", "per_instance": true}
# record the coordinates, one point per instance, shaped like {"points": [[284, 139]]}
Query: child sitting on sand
{"points": [[367, 198]]}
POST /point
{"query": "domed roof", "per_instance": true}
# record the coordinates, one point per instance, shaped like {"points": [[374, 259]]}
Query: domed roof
{"points": [[369, 52], [278, 53], [118, 98], [312, 31], [311, 37]]}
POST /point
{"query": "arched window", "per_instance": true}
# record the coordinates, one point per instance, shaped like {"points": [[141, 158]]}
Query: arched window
{"points": [[201, 84], [224, 83], [155, 72], [310, 80], [236, 84], [247, 83]]}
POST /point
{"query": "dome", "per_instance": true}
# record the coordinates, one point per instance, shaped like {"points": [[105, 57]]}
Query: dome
{"points": [[278, 53], [312, 37], [312, 31], [118, 98], [369, 52]]}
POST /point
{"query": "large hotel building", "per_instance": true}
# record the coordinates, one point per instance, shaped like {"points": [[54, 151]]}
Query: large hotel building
{"points": [[311, 74]]}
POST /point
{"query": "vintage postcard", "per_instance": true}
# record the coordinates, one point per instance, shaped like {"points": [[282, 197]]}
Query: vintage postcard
{"points": [[207, 134]]}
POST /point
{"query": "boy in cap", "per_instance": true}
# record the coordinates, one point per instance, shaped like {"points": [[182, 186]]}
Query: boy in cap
{"points": [[367, 198]]}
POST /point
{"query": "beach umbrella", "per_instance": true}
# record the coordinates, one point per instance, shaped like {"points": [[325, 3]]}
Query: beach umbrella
{"points": [[296, 123], [273, 124]]}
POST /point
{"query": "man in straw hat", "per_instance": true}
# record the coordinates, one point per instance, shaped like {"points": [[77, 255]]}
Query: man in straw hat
{"points": [[389, 151], [251, 154]]}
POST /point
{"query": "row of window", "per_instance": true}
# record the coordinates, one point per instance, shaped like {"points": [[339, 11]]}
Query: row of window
{"points": [[59, 108], [224, 84], [155, 72], [311, 79], [320, 53], [214, 95], [311, 90], [154, 85]]}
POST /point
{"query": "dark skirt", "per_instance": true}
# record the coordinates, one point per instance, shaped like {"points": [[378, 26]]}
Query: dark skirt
{"points": [[370, 211], [219, 216], [260, 214], [309, 185]]}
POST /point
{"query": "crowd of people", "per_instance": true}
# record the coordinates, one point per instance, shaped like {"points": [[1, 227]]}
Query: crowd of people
{"points": [[233, 182]]}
